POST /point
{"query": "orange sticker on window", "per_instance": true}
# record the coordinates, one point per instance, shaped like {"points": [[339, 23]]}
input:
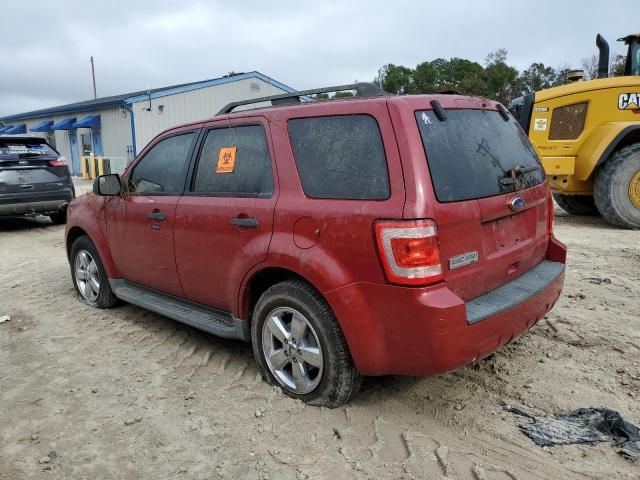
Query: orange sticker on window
{"points": [[226, 159]]}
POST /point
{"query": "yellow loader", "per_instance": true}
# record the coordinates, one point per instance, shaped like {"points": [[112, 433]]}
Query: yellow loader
{"points": [[587, 134]]}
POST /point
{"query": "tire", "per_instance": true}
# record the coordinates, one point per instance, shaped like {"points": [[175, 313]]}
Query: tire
{"points": [[576, 204], [92, 266], [59, 218], [613, 184], [333, 377]]}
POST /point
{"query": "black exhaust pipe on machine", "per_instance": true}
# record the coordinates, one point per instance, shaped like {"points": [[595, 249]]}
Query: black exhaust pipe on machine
{"points": [[603, 61]]}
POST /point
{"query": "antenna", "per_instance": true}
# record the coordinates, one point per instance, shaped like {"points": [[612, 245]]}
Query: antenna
{"points": [[93, 75]]}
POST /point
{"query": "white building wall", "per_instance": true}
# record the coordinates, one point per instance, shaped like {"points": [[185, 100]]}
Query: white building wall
{"points": [[115, 128], [192, 106], [166, 112]]}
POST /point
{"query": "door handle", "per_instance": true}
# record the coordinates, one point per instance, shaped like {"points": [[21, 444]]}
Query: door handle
{"points": [[245, 222], [157, 216]]}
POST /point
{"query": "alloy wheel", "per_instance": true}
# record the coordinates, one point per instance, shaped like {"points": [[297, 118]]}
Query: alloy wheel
{"points": [[292, 350], [86, 273]]}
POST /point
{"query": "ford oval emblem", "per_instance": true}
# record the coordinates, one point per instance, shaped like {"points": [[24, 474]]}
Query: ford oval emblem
{"points": [[517, 203]]}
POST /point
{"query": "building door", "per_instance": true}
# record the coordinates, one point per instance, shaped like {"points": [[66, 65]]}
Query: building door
{"points": [[87, 148], [75, 157]]}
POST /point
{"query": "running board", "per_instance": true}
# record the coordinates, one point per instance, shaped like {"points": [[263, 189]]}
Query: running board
{"points": [[207, 319]]}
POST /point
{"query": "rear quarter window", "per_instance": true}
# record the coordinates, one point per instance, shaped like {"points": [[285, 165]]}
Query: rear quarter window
{"points": [[340, 157], [476, 154]]}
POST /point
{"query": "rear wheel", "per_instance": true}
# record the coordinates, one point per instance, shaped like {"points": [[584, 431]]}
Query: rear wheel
{"points": [[576, 204], [59, 218], [299, 346], [89, 276], [616, 188]]}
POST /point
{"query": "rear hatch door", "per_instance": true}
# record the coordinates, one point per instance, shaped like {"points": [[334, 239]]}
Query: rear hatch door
{"points": [[30, 165], [491, 197]]}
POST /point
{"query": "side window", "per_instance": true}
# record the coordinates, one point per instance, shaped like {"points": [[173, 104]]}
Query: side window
{"points": [[162, 169], [235, 161], [340, 157]]}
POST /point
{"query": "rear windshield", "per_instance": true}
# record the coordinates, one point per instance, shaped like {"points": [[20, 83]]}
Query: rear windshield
{"points": [[476, 154], [12, 149]]}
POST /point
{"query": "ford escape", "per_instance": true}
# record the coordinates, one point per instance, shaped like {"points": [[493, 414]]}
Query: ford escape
{"points": [[367, 236]]}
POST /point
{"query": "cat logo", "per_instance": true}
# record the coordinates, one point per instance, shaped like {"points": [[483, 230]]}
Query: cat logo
{"points": [[629, 101]]}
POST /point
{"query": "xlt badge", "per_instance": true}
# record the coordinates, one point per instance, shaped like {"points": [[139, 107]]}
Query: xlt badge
{"points": [[463, 259]]}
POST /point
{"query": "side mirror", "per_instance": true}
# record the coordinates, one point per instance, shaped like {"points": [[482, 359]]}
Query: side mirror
{"points": [[107, 185]]}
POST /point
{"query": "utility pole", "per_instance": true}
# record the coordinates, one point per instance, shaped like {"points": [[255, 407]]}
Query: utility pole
{"points": [[93, 75]]}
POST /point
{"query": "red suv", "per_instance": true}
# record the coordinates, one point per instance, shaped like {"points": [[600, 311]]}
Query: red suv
{"points": [[367, 236]]}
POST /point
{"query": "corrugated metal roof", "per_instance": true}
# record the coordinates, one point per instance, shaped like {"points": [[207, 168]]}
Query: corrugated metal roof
{"points": [[117, 100]]}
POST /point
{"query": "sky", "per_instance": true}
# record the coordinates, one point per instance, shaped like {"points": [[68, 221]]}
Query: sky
{"points": [[44, 54]]}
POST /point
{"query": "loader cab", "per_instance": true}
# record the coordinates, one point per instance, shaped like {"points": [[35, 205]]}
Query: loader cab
{"points": [[632, 66]]}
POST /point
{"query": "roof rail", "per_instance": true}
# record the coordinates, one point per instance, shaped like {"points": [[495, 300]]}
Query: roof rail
{"points": [[363, 89]]}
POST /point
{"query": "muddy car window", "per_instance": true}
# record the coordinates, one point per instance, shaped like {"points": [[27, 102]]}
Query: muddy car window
{"points": [[162, 169], [340, 157], [234, 161], [477, 154]]}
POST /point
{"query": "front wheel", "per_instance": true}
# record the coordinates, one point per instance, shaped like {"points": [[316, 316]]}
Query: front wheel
{"points": [[89, 276], [616, 188], [299, 346]]}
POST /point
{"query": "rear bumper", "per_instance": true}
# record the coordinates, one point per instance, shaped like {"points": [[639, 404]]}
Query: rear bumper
{"points": [[34, 203], [427, 331]]}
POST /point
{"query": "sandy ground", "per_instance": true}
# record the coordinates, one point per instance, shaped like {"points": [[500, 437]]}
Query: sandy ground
{"points": [[127, 394]]}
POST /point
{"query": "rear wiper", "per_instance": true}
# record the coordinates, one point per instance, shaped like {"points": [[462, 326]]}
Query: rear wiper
{"points": [[513, 173]]}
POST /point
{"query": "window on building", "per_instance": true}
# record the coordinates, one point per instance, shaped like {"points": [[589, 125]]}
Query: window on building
{"points": [[163, 168], [340, 157], [235, 162]]}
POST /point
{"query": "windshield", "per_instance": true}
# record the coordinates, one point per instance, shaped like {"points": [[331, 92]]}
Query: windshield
{"points": [[13, 149], [634, 56], [477, 154]]}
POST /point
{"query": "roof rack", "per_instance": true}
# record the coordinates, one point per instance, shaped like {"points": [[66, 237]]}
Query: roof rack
{"points": [[363, 89]]}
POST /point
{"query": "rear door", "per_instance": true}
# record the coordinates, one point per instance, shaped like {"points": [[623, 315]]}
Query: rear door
{"points": [[491, 197], [30, 165], [224, 221]]}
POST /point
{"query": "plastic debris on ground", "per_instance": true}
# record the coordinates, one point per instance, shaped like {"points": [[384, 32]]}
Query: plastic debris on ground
{"points": [[584, 425], [4, 318]]}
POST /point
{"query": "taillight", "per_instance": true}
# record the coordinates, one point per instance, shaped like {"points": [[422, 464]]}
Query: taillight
{"points": [[59, 162], [409, 251], [551, 217]]}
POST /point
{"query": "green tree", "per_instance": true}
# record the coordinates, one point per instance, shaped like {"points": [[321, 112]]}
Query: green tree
{"points": [[537, 77], [456, 74], [395, 79], [500, 78]]}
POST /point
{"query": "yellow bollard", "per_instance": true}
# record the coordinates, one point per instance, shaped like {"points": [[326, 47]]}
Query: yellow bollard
{"points": [[100, 163], [92, 166], [84, 168]]}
